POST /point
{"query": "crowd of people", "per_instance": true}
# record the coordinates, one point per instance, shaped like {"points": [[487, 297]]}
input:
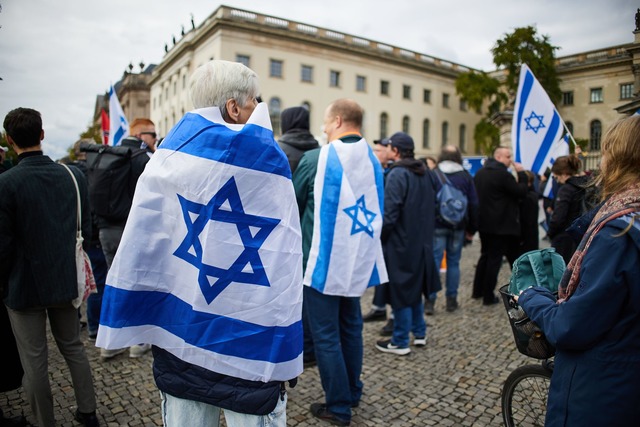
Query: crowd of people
{"points": [[361, 215]]}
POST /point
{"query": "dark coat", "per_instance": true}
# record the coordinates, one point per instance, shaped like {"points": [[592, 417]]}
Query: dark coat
{"points": [[296, 138], [529, 210], [499, 196], [407, 232], [11, 377], [596, 379], [568, 205], [38, 232], [186, 381]]}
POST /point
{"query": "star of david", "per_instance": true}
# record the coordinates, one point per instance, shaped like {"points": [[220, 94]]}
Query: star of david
{"points": [[356, 213], [225, 206], [531, 122]]}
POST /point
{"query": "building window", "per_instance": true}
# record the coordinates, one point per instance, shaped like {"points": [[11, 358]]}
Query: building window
{"points": [[306, 73], [626, 91], [361, 83], [445, 133], [274, 112], [175, 88], [463, 139], [567, 98], [445, 100], [406, 123], [569, 127], [463, 105], [596, 95], [426, 96], [595, 132], [384, 122], [406, 92], [275, 68], [334, 78], [384, 87], [425, 133], [243, 59]]}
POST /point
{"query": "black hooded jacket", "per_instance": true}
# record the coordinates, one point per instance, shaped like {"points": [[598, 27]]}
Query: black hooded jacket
{"points": [[296, 138]]}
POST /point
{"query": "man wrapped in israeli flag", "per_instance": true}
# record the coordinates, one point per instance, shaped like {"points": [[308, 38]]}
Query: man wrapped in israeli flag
{"points": [[209, 269], [340, 194]]}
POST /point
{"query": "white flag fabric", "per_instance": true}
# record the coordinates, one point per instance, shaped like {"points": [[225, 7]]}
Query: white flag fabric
{"points": [[210, 263], [118, 124], [536, 126], [346, 254]]}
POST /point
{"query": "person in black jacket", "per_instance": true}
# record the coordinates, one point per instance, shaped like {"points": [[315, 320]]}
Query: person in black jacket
{"points": [[296, 138], [569, 203], [499, 195]]}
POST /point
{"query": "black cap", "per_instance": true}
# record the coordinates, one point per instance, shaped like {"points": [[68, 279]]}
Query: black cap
{"points": [[401, 141]]}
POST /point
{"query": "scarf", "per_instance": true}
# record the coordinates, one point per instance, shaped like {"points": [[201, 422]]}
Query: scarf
{"points": [[617, 205]]}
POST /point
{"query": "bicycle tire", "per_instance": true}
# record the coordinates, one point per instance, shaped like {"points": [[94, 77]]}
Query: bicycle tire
{"points": [[524, 396]]}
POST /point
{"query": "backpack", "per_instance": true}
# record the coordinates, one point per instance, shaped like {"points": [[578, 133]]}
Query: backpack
{"points": [[451, 203], [111, 180], [540, 267]]}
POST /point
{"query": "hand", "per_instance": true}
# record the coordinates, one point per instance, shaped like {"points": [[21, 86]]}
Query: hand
{"points": [[518, 166]]}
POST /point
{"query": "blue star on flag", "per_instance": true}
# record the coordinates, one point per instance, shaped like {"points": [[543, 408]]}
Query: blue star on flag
{"points": [[357, 212], [225, 206], [533, 117]]}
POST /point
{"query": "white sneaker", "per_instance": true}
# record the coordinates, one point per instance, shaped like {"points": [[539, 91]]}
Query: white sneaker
{"points": [[108, 354], [419, 341], [138, 350]]}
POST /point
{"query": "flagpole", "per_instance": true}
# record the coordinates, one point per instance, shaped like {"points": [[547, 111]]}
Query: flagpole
{"points": [[569, 133]]}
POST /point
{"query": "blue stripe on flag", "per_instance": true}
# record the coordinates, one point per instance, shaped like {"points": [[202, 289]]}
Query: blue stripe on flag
{"points": [[549, 139], [379, 177], [118, 135], [251, 147], [524, 95], [328, 216], [216, 333], [375, 277]]}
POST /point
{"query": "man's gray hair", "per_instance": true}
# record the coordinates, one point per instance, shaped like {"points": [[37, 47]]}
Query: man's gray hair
{"points": [[215, 82]]}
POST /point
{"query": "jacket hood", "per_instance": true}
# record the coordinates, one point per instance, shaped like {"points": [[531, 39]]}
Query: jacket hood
{"points": [[300, 139], [447, 166], [294, 118], [416, 166]]}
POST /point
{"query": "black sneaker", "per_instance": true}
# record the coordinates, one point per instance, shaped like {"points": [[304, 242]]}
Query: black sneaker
{"points": [[374, 315], [452, 304], [387, 329], [86, 419], [386, 346], [319, 410], [493, 300]]}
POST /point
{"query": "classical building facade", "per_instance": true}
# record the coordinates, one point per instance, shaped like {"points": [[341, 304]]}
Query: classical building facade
{"points": [[300, 64]]}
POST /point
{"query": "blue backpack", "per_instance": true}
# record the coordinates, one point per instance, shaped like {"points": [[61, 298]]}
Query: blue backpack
{"points": [[451, 203]]}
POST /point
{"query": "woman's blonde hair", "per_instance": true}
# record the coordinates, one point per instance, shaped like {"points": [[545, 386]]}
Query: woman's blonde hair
{"points": [[621, 147]]}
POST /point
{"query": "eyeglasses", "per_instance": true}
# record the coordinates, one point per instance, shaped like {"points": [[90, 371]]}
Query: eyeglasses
{"points": [[151, 134]]}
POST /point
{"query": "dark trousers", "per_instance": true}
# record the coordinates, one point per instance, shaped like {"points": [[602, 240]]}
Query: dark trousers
{"points": [[381, 295], [492, 248]]}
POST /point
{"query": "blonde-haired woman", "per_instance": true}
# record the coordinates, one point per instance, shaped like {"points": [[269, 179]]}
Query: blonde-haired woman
{"points": [[595, 324]]}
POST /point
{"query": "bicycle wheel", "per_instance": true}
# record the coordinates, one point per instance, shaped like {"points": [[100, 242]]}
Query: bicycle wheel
{"points": [[524, 396]]}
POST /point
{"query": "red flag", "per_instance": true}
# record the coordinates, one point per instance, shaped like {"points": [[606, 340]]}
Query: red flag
{"points": [[105, 127]]}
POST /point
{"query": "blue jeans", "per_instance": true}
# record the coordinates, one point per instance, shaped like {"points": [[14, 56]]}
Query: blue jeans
{"points": [[177, 412], [94, 302], [451, 241], [408, 319], [336, 326]]}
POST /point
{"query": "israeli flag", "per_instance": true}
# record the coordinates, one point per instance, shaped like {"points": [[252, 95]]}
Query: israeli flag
{"points": [[560, 148], [346, 254], [119, 126], [210, 263], [536, 126]]}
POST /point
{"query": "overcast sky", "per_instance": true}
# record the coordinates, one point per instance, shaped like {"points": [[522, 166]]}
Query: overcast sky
{"points": [[57, 55]]}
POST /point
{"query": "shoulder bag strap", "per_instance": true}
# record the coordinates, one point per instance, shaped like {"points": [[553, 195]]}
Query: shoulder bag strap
{"points": [[79, 209]]}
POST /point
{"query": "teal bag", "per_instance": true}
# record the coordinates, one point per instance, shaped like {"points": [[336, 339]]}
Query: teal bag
{"points": [[541, 267]]}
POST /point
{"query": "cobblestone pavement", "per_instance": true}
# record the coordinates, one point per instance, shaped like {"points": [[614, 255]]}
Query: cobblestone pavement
{"points": [[455, 380]]}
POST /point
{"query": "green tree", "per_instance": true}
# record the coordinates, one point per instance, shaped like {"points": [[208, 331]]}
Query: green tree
{"points": [[487, 95]]}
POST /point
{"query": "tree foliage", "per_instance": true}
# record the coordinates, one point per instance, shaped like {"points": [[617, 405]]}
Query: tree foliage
{"points": [[487, 95]]}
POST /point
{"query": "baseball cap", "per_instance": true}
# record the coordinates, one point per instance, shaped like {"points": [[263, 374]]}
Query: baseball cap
{"points": [[384, 141], [401, 140]]}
